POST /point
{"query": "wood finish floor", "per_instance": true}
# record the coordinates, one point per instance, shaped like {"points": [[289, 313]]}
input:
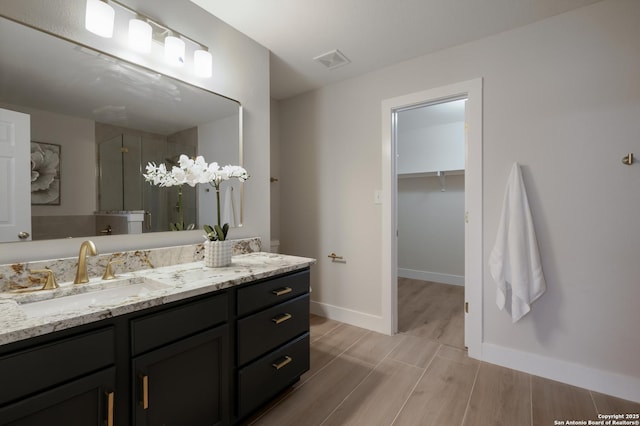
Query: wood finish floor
{"points": [[422, 376], [431, 310]]}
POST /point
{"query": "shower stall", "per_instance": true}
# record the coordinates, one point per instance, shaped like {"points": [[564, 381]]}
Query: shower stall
{"points": [[123, 194]]}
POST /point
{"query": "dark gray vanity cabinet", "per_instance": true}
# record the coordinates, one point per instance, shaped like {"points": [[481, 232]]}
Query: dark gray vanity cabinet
{"points": [[211, 359], [70, 381], [272, 338], [180, 365]]}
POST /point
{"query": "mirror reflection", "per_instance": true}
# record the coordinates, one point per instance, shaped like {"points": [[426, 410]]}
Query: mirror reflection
{"points": [[122, 154], [108, 118]]}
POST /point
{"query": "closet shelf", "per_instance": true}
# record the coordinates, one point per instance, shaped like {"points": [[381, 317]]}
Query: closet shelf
{"points": [[430, 174], [439, 174]]}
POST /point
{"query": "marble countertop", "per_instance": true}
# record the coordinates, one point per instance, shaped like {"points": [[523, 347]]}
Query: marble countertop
{"points": [[25, 315]]}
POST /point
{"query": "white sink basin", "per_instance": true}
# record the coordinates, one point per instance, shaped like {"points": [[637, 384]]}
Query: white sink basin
{"points": [[118, 293]]}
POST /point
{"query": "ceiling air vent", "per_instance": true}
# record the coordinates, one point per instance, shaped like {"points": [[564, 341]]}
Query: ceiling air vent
{"points": [[333, 59]]}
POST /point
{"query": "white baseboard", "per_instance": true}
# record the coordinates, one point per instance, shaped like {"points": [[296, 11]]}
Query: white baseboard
{"points": [[431, 276], [359, 319], [606, 382]]}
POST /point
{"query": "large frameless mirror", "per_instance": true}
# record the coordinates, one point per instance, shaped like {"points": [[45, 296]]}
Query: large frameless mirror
{"points": [[95, 122]]}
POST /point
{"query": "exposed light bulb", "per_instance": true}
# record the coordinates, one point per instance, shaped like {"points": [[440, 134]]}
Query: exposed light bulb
{"points": [[140, 35], [203, 63], [99, 18], [174, 50]]}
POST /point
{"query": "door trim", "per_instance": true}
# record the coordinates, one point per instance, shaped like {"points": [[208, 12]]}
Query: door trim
{"points": [[472, 89]]}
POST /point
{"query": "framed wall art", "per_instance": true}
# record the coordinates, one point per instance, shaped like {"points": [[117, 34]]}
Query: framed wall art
{"points": [[45, 173]]}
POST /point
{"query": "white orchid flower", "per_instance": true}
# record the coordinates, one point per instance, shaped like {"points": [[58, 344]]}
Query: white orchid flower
{"points": [[192, 172]]}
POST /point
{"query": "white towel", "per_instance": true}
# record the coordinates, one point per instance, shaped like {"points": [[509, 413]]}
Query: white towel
{"points": [[228, 214], [514, 262]]}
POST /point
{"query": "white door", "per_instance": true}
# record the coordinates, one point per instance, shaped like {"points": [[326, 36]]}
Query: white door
{"points": [[15, 181]]}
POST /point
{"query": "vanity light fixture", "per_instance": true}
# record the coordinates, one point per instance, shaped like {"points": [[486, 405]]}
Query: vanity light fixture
{"points": [[99, 18], [203, 63], [140, 33], [174, 50], [144, 31]]}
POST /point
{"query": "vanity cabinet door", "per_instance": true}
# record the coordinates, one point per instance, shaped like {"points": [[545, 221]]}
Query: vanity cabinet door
{"points": [[82, 402], [184, 383]]}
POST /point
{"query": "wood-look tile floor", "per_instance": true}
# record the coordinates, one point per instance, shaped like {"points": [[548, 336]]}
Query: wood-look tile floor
{"points": [[431, 310], [421, 376]]}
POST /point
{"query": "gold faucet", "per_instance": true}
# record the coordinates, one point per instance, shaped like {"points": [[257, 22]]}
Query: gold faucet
{"points": [[81, 273]]}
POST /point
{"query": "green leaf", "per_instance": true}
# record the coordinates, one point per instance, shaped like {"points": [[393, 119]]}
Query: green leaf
{"points": [[177, 226], [220, 232]]}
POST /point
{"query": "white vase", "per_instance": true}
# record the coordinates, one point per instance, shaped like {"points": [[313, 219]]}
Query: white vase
{"points": [[217, 253]]}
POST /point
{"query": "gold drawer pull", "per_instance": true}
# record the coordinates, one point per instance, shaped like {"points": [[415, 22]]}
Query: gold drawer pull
{"points": [[145, 392], [281, 291], [110, 397], [282, 318], [285, 361]]}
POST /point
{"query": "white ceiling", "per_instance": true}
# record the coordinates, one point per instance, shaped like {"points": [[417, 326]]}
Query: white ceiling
{"points": [[371, 33]]}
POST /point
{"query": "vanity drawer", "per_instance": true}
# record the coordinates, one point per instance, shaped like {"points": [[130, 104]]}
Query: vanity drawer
{"points": [[170, 325], [265, 330], [270, 292], [32, 370], [267, 376]]}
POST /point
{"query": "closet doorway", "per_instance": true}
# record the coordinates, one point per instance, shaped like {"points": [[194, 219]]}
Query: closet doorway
{"points": [[467, 178], [430, 150]]}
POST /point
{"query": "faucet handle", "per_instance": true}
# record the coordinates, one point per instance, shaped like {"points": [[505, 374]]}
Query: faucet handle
{"points": [[50, 281], [108, 273]]}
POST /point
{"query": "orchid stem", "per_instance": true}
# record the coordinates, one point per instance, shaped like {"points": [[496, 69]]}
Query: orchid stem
{"points": [[180, 213], [218, 201]]}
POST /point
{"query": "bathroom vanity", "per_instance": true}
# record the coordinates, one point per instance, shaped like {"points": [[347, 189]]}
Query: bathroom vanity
{"points": [[175, 345]]}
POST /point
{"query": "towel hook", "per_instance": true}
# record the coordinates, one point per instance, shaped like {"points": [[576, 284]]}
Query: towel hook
{"points": [[628, 159]]}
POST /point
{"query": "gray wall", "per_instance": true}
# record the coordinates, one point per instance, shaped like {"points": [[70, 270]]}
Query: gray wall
{"points": [[561, 97]]}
